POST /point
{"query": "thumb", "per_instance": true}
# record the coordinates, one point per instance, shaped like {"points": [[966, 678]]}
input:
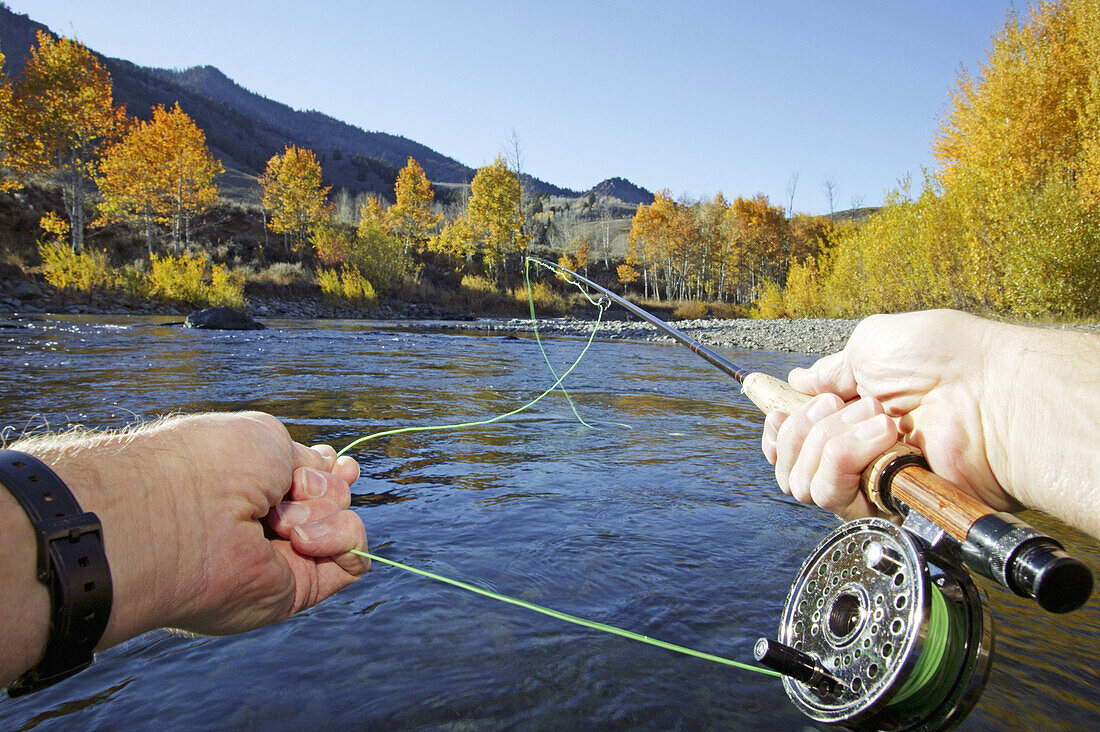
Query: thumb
{"points": [[830, 374]]}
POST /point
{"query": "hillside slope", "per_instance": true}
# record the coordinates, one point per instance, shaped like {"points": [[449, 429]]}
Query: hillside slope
{"points": [[245, 129]]}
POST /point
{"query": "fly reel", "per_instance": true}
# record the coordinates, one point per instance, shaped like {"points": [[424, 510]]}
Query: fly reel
{"points": [[882, 632]]}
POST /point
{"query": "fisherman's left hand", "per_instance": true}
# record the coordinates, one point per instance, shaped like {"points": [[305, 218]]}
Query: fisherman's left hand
{"points": [[217, 523]]}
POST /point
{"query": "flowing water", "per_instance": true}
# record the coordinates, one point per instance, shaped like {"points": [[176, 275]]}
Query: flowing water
{"points": [[672, 528]]}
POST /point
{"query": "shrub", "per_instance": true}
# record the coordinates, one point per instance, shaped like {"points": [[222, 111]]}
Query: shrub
{"points": [[770, 303], [347, 286], [545, 299], [377, 254], [331, 287], [691, 310], [725, 310], [282, 273], [225, 288], [178, 279], [184, 280], [357, 288], [66, 270]]}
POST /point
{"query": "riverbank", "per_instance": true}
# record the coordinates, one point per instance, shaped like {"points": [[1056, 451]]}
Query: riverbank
{"points": [[22, 299]]}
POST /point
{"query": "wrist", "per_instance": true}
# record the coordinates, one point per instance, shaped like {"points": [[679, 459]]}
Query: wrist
{"points": [[1030, 411], [25, 623], [110, 477]]}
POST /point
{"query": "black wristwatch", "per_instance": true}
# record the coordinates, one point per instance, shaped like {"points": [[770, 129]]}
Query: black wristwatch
{"points": [[71, 563]]}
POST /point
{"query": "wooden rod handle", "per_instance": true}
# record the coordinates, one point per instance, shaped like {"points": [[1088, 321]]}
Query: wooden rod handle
{"points": [[936, 498]]}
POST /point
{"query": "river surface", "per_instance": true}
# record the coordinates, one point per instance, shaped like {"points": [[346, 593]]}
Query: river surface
{"points": [[672, 528]]}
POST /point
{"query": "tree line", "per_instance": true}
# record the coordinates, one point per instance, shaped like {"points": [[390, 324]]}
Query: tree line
{"points": [[1009, 222], [59, 123], [716, 249]]}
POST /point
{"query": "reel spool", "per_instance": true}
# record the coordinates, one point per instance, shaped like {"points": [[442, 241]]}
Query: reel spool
{"points": [[881, 632]]}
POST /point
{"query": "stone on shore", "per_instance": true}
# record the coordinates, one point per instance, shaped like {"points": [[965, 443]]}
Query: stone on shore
{"points": [[222, 318]]}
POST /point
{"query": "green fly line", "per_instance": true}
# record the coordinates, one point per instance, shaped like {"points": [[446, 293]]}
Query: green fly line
{"points": [[591, 624], [601, 305]]}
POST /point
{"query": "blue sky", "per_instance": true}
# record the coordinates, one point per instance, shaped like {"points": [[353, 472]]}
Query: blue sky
{"points": [[695, 97]]}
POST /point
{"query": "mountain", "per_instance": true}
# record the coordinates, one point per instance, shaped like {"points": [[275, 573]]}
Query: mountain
{"points": [[623, 190], [244, 129]]}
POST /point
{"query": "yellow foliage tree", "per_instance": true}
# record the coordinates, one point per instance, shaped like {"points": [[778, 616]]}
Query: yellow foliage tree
{"points": [[1011, 223], [293, 193], [65, 119], [649, 239], [494, 216], [626, 274], [7, 183], [411, 217], [456, 240], [1086, 18], [160, 172], [1025, 117]]}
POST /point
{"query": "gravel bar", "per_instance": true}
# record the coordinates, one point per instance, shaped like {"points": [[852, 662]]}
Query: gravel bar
{"points": [[803, 335]]}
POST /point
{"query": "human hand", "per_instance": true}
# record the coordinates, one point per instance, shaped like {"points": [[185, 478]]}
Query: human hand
{"points": [[215, 523], [924, 375]]}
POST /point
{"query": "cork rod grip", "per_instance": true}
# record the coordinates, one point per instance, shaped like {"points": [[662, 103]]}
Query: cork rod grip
{"points": [[934, 497]]}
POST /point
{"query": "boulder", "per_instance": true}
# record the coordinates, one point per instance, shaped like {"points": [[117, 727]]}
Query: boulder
{"points": [[221, 318]]}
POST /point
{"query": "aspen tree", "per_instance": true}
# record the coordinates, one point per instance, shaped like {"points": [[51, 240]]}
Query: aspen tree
{"points": [[161, 172], [411, 217], [66, 119], [293, 193]]}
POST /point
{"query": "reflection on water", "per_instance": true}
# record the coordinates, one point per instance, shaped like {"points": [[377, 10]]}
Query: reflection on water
{"points": [[672, 528]]}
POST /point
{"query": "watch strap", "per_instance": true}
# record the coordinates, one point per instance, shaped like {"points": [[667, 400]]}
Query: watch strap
{"points": [[72, 564]]}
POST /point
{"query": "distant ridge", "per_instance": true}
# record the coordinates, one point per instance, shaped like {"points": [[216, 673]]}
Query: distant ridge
{"points": [[624, 190], [244, 129]]}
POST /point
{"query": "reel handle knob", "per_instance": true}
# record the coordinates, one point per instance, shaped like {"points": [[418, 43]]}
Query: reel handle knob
{"points": [[795, 664]]}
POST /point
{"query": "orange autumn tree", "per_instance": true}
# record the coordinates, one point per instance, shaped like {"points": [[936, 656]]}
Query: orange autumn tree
{"points": [[760, 234], [293, 193], [161, 172], [66, 119]]}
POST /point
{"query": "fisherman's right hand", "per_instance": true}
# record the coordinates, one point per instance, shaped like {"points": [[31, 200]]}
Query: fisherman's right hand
{"points": [[921, 375]]}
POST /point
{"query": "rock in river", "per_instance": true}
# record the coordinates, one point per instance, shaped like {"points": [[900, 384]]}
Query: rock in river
{"points": [[222, 318]]}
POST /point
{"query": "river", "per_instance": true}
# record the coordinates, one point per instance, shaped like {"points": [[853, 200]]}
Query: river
{"points": [[671, 527]]}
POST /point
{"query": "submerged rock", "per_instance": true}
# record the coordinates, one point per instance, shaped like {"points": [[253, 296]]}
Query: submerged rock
{"points": [[222, 318]]}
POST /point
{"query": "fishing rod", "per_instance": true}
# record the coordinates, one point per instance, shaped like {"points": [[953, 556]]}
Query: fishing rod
{"points": [[883, 628]]}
